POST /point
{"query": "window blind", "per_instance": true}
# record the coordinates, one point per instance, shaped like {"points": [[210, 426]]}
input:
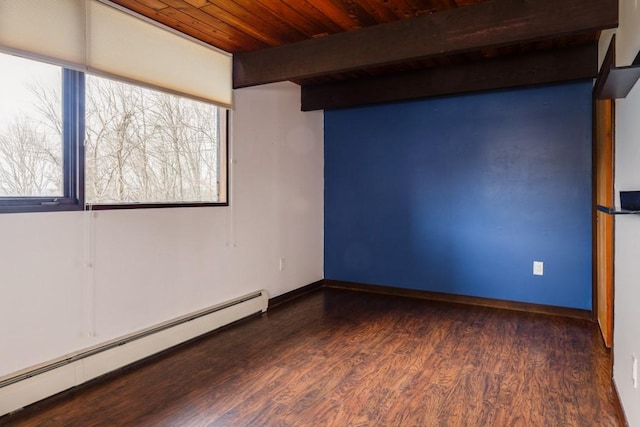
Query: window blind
{"points": [[47, 30], [100, 38]]}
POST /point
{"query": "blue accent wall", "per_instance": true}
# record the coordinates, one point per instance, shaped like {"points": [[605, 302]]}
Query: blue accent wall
{"points": [[461, 195]]}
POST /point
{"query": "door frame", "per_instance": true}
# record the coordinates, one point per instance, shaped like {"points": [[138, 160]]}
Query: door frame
{"points": [[607, 335]]}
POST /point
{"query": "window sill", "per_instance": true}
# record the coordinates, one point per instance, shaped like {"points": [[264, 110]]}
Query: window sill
{"points": [[107, 206]]}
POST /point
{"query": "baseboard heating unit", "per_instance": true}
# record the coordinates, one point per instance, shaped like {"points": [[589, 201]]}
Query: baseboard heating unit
{"points": [[30, 386]]}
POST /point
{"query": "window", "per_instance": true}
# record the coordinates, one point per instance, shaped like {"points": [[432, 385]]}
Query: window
{"points": [[30, 129], [145, 146], [142, 147]]}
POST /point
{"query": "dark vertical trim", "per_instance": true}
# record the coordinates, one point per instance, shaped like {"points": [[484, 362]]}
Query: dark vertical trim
{"points": [[227, 183], [594, 213], [73, 133], [613, 233], [607, 64], [80, 138]]}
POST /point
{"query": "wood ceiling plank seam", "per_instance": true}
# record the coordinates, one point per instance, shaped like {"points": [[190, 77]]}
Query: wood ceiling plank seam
{"points": [[336, 14], [197, 3], [359, 13], [305, 23], [153, 4], [246, 23], [159, 15], [226, 40], [239, 25], [403, 9], [191, 17], [137, 6], [213, 40], [261, 13], [433, 6], [243, 41], [307, 8], [379, 10]]}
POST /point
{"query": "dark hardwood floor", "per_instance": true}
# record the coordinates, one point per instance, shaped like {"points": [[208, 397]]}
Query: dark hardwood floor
{"points": [[343, 358]]}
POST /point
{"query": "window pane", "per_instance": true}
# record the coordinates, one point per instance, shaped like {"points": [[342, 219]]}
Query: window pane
{"points": [[30, 129], [145, 146]]}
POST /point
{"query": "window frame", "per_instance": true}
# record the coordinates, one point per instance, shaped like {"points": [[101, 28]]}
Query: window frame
{"points": [[73, 199], [72, 83], [224, 160]]}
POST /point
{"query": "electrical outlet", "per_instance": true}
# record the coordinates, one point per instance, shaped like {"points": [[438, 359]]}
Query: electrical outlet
{"points": [[634, 370], [538, 268], [282, 263]]}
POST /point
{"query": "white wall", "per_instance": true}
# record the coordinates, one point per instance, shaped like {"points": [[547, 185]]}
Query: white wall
{"points": [[627, 227], [151, 265]]}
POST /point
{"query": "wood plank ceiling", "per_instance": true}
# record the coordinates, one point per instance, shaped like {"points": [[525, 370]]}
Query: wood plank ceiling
{"points": [[250, 28], [246, 25]]}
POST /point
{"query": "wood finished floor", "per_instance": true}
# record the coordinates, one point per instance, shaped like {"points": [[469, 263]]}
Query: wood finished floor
{"points": [[342, 358]]}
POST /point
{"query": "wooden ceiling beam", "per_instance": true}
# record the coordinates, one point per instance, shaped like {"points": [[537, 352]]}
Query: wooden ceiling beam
{"points": [[489, 24], [534, 68]]}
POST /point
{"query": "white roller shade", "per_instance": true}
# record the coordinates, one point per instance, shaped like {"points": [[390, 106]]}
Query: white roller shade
{"points": [[131, 48], [100, 38], [45, 29]]}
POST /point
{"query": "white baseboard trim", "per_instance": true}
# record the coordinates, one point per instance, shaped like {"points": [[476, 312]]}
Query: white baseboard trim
{"points": [[34, 385]]}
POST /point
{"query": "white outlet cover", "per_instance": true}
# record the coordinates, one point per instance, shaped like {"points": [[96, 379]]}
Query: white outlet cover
{"points": [[538, 268], [634, 370]]}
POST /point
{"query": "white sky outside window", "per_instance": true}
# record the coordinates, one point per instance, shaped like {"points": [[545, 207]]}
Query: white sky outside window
{"points": [[18, 104], [17, 75]]}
